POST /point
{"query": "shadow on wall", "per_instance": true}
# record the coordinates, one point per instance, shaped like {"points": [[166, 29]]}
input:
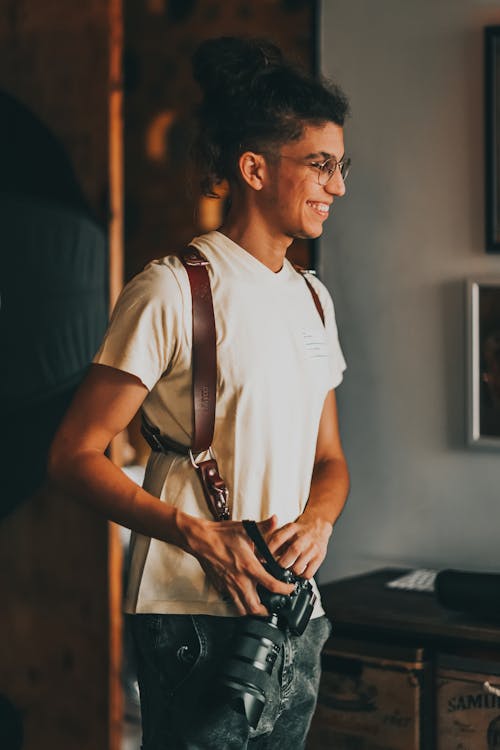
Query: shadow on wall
{"points": [[53, 287]]}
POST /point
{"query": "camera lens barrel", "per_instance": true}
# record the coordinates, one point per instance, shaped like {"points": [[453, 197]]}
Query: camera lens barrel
{"points": [[247, 672], [259, 643]]}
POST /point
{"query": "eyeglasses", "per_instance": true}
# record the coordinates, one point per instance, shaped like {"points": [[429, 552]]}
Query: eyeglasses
{"points": [[326, 169]]}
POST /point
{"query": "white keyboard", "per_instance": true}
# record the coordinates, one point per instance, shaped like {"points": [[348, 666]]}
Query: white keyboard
{"points": [[421, 579]]}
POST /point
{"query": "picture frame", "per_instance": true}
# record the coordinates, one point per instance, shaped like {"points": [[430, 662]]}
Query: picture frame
{"points": [[483, 355], [492, 138]]}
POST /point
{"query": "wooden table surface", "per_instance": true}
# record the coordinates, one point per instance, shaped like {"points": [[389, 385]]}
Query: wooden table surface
{"points": [[363, 607]]}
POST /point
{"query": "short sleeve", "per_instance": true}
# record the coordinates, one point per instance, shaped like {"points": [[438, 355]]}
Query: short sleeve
{"points": [[146, 327], [337, 361]]}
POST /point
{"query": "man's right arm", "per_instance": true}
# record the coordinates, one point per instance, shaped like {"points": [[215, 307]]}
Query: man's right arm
{"points": [[103, 407]]}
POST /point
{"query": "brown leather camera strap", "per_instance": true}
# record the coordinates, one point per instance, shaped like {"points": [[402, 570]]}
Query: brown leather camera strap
{"points": [[204, 349], [204, 388], [204, 376]]}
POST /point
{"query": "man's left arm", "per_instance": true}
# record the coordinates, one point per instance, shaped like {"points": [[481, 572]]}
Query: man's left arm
{"points": [[302, 544]]}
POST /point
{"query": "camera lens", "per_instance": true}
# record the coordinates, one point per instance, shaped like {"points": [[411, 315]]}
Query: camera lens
{"points": [[247, 673]]}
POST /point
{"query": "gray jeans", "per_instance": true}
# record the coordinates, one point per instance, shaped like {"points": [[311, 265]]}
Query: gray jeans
{"points": [[179, 659]]}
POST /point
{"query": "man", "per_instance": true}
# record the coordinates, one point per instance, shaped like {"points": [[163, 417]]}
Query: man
{"points": [[276, 136]]}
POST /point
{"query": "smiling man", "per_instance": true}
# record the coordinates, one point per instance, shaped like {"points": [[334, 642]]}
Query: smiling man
{"points": [[276, 136]]}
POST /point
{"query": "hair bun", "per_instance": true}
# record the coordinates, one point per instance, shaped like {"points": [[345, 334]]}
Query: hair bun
{"points": [[230, 64]]}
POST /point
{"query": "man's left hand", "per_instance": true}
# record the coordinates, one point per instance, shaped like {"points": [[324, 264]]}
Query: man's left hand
{"points": [[301, 545]]}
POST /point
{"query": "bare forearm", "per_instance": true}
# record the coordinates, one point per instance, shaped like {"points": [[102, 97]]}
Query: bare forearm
{"points": [[222, 548], [329, 490], [94, 479], [102, 408]]}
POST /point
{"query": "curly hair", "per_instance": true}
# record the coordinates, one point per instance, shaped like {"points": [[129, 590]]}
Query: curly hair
{"points": [[254, 99]]}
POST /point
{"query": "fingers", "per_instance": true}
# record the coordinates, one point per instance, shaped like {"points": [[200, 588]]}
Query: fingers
{"points": [[257, 574], [245, 598], [280, 537], [239, 604], [307, 568], [267, 526], [298, 551], [238, 583], [227, 557], [243, 595], [275, 586], [292, 548], [299, 547], [247, 602], [310, 569], [291, 543]]}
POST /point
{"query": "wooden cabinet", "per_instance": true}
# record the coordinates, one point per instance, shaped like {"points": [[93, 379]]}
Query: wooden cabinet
{"points": [[372, 697], [468, 704], [400, 672]]}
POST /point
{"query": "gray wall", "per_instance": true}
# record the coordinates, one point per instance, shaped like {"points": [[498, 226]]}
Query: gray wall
{"points": [[395, 254]]}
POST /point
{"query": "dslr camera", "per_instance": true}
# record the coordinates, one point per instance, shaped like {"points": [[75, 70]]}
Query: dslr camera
{"points": [[247, 672]]}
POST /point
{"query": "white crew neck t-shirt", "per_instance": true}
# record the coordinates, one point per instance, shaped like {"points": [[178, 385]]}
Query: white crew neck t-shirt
{"points": [[276, 364]]}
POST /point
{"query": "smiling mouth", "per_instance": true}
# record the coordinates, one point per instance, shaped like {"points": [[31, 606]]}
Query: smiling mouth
{"points": [[320, 208]]}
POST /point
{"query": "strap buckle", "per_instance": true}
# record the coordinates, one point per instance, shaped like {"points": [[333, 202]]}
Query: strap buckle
{"points": [[193, 458], [158, 442], [192, 259], [213, 485], [221, 496], [155, 443], [152, 436]]}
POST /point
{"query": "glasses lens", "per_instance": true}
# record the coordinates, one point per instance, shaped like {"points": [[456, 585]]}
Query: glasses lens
{"points": [[345, 166], [326, 171]]}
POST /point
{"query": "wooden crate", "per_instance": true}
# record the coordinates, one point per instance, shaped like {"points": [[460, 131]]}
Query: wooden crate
{"points": [[468, 713], [373, 697]]}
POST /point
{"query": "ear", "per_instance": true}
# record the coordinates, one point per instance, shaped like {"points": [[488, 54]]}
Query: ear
{"points": [[252, 169]]}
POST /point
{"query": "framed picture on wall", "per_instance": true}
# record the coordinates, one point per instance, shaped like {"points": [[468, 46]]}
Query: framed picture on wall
{"points": [[483, 302], [492, 137]]}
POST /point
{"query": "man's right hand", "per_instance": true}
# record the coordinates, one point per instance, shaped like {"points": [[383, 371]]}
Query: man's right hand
{"points": [[226, 554]]}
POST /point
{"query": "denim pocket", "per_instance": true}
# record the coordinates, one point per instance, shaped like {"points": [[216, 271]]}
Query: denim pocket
{"points": [[171, 645]]}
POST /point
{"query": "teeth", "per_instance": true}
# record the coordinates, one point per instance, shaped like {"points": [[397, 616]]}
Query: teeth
{"points": [[320, 206]]}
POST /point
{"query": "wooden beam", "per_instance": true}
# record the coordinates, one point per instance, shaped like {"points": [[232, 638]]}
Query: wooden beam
{"points": [[116, 255]]}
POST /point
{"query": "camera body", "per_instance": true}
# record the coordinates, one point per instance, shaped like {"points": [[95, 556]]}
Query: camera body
{"points": [[293, 611]]}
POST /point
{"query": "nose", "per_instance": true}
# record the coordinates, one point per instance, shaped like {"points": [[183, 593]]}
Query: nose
{"points": [[336, 186]]}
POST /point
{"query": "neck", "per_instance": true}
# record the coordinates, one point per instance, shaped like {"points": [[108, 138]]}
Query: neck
{"points": [[252, 234]]}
